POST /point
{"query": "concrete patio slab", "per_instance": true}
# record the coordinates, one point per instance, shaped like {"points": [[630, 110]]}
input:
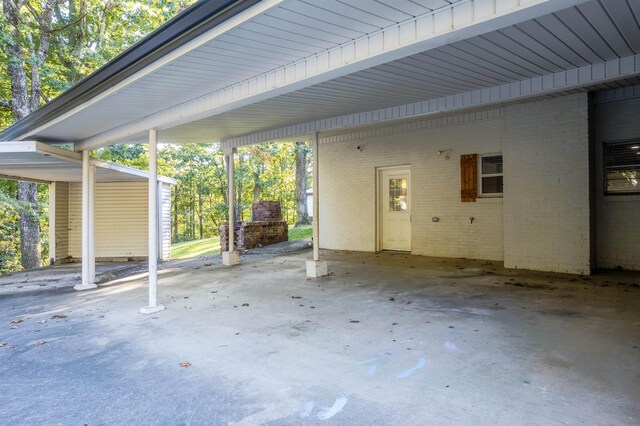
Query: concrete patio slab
{"points": [[384, 339], [61, 276]]}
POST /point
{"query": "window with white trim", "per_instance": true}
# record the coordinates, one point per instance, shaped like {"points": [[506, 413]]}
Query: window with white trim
{"points": [[622, 167], [490, 176]]}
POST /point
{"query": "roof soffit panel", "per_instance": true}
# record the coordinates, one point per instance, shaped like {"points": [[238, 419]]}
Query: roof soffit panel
{"points": [[389, 44], [403, 81], [276, 36]]}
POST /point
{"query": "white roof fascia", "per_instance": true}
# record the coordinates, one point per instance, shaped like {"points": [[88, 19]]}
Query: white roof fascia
{"points": [[23, 179], [446, 25], [39, 147], [73, 157], [548, 84]]}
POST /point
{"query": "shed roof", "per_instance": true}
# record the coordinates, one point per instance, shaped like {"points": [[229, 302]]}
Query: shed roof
{"points": [[39, 162]]}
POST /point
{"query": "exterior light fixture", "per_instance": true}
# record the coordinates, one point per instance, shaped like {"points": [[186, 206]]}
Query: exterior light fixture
{"points": [[446, 153]]}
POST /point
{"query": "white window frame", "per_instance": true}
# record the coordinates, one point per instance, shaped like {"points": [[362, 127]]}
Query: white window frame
{"points": [[481, 192]]}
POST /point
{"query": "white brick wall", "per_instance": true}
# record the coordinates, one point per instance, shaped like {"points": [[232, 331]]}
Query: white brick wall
{"points": [[546, 200], [348, 194], [617, 216]]}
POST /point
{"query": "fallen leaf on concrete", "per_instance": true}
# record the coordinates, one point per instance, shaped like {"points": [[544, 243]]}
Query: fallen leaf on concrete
{"points": [[41, 342], [185, 364], [59, 316], [16, 321]]}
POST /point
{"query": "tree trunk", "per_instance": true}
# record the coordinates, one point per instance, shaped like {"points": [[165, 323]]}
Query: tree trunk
{"points": [[200, 214], [302, 215], [29, 225], [256, 190], [239, 193], [23, 102]]}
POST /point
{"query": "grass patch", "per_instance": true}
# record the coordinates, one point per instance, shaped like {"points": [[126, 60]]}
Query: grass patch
{"points": [[203, 247], [209, 246], [300, 232]]}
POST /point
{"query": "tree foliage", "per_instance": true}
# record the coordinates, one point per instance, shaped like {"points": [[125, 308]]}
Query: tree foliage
{"points": [[82, 35]]}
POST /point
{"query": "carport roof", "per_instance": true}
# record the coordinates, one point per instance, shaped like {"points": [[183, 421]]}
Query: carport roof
{"points": [[246, 71], [35, 161]]}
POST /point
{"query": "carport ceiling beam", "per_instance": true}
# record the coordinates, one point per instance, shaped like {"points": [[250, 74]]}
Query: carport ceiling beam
{"points": [[577, 78], [457, 21]]}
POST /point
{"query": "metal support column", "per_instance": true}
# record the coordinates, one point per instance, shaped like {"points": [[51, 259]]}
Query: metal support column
{"points": [[153, 226], [92, 223], [87, 283], [231, 256], [316, 267]]}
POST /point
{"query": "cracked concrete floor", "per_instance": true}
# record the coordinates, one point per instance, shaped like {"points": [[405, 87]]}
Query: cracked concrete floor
{"points": [[386, 339]]}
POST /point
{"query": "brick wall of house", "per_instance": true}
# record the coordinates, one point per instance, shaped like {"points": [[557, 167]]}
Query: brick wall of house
{"points": [[348, 187], [542, 222], [546, 190], [617, 216]]}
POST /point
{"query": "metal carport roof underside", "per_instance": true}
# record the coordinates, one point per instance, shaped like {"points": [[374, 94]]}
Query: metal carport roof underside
{"points": [[285, 68]]}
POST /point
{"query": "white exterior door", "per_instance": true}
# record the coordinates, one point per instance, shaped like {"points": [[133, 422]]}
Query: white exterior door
{"points": [[395, 209]]}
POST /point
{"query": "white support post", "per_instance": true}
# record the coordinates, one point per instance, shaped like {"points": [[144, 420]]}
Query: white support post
{"points": [[153, 226], [52, 223], [231, 257], [160, 224], [316, 267], [86, 237], [92, 225]]}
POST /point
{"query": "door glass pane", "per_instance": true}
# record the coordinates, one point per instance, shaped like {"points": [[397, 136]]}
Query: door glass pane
{"points": [[398, 195]]}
